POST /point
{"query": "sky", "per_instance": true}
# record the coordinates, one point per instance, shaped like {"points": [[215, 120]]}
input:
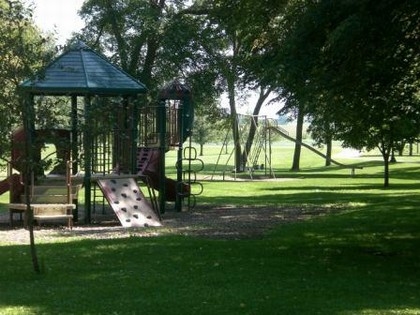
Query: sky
{"points": [[60, 17]]}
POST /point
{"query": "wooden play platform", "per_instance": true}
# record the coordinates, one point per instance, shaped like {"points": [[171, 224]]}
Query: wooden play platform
{"points": [[48, 203]]}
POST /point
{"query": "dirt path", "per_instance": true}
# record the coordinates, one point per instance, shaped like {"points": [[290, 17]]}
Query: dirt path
{"points": [[219, 223]]}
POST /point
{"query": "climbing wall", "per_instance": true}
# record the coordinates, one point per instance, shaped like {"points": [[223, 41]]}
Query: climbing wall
{"points": [[128, 202]]}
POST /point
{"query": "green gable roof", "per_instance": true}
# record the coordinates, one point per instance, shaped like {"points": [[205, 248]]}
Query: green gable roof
{"points": [[82, 71]]}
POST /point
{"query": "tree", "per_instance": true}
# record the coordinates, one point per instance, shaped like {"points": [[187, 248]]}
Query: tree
{"points": [[204, 131], [256, 25], [378, 76], [339, 59], [209, 120], [155, 41], [235, 62], [322, 130], [22, 51]]}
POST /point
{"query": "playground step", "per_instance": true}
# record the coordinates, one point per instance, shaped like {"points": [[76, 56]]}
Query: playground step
{"points": [[44, 212]]}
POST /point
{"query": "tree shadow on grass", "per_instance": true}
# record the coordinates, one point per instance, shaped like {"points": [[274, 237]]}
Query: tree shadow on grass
{"points": [[342, 266], [301, 198], [332, 171]]}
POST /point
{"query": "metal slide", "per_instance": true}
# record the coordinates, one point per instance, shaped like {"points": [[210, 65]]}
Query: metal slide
{"points": [[285, 135], [13, 184], [4, 185], [148, 166], [129, 203]]}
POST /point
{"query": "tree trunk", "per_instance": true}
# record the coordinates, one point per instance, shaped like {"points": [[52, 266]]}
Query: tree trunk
{"points": [[149, 62], [116, 30], [250, 139], [234, 123], [29, 127], [299, 136], [386, 154], [30, 218], [328, 141], [237, 143], [386, 170], [201, 149], [393, 159], [254, 124]]}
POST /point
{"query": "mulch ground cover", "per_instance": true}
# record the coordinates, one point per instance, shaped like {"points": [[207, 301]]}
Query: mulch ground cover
{"points": [[208, 222]]}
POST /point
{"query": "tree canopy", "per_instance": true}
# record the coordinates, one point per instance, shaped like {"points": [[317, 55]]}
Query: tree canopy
{"points": [[155, 42], [352, 65], [23, 50], [328, 60]]}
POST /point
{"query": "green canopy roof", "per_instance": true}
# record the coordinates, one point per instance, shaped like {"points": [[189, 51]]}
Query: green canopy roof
{"points": [[82, 71]]}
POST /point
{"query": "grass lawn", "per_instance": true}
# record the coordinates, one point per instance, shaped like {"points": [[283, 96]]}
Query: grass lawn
{"points": [[363, 259]]}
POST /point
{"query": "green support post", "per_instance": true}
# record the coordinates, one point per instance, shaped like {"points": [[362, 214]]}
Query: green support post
{"points": [[74, 127], [179, 185], [134, 135], [162, 149], [74, 147], [87, 141]]}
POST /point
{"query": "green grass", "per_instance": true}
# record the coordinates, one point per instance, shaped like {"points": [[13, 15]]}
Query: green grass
{"points": [[363, 257]]}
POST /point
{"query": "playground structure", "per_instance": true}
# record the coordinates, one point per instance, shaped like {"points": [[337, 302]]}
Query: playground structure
{"points": [[113, 141], [259, 157]]}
